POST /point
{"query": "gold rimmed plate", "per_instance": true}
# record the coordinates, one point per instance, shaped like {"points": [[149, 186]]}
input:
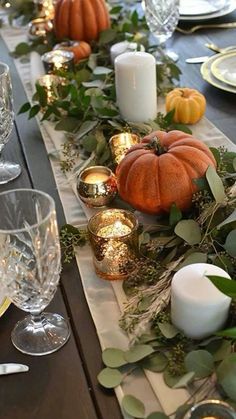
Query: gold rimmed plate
{"points": [[223, 68], [211, 79], [4, 304], [230, 6]]}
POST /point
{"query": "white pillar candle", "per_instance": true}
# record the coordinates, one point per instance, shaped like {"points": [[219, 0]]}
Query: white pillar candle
{"points": [[135, 74], [198, 308], [122, 47]]}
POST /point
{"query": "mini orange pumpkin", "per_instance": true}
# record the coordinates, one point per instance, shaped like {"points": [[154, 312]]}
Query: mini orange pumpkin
{"points": [[81, 20], [81, 49], [160, 170], [189, 105]]}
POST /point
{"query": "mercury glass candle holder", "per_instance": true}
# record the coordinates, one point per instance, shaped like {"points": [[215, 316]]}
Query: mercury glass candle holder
{"points": [[45, 8], [113, 236], [96, 186], [39, 28], [211, 409], [58, 60], [51, 84], [120, 144]]}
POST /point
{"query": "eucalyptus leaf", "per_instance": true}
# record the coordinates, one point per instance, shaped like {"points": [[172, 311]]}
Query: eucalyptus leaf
{"points": [[195, 257], [93, 83], [189, 231], [168, 330], [86, 127], [158, 415], [230, 333], [113, 357], [225, 285], [156, 362], [216, 154], [185, 380], [230, 243], [216, 185], [101, 70], [68, 124], [107, 36], [138, 352], [109, 377], [230, 219], [133, 406], [90, 143], [226, 375], [175, 215], [171, 380], [200, 361], [201, 183], [224, 349]]}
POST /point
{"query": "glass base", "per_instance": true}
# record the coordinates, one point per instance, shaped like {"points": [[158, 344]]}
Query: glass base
{"points": [[40, 335], [8, 171]]}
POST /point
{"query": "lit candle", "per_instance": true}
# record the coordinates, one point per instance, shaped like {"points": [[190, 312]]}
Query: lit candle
{"points": [[39, 28], [58, 60], [114, 240], [96, 186], [120, 144], [198, 308], [125, 46], [51, 83], [135, 75]]}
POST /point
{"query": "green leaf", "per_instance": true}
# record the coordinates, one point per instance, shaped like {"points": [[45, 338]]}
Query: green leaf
{"points": [[171, 380], [225, 285], [24, 108], [86, 127], [182, 127], [133, 406], [175, 215], [226, 375], [169, 117], [185, 380], [42, 95], [224, 348], [189, 231], [102, 70], [105, 156], [200, 361], [168, 330], [230, 243], [158, 415], [156, 362], [201, 183], [109, 377], [138, 352], [216, 185], [89, 143], [68, 124], [22, 49], [216, 154], [93, 83], [107, 36], [115, 10], [230, 219], [230, 333], [113, 358], [195, 257], [34, 111]]}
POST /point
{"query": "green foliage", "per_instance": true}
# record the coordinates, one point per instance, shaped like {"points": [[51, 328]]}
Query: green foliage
{"points": [[70, 238]]}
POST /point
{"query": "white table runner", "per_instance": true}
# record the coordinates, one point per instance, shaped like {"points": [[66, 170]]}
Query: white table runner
{"points": [[103, 296]]}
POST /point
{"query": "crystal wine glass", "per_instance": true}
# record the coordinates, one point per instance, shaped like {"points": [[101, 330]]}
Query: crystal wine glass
{"points": [[8, 170], [30, 265], [162, 17]]}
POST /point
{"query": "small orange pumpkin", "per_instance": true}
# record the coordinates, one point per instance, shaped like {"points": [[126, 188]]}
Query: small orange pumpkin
{"points": [[160, 170], [189, 105], [81, 20], [81, 49]]}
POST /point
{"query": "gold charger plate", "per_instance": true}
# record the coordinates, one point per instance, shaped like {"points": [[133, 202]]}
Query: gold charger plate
{"points": [[223, 68], [211, 79], [4, 304]]}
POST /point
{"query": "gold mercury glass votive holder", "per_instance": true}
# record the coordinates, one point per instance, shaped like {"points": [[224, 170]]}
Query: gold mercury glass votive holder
{"points": [[113, 236], [58, 60], [51, 84], [211, 409], [96, 186], [120, 144], [39, 28]]}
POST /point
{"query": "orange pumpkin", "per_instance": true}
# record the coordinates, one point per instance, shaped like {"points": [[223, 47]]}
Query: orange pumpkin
{"points": [[80, 20], [189, 105], [81, 49], [160, 170]]}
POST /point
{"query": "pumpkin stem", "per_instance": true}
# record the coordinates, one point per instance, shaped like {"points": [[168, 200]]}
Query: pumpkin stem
{"points": [[155, 145]]}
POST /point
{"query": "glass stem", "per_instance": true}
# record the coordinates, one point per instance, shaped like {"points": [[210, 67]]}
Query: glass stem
{"points": [[38, 320]]}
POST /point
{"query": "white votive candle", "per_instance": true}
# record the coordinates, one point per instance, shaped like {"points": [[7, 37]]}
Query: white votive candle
{"points": [[198, 308], [135, 74], [96, 177], [122, 47]]}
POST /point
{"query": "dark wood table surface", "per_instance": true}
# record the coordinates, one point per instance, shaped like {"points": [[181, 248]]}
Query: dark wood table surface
{"points": [[64, 385]]}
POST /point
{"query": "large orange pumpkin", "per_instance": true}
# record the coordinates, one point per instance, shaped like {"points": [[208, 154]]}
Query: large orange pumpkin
{"points": [[80, 20], [160, 170]]}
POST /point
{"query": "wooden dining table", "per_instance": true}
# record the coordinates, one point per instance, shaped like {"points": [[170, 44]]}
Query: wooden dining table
{"points": [[64, 385]]}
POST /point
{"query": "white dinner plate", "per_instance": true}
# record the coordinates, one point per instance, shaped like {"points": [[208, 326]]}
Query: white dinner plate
{"points": [[204, 7], [229, 7], [224, 68], [211, 79]]}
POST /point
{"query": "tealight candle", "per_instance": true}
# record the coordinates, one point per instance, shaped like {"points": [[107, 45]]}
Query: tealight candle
{"points": [[120, 144], [96, 186], [114, 239], [124, 46], [58, 60], [51, 83], [198, 308], [39, 28], [135, 78]]}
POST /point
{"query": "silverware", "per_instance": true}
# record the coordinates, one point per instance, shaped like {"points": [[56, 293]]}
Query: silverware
{"points": [[197, 60], [211, 26], [215, 48], [11, 368]]}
